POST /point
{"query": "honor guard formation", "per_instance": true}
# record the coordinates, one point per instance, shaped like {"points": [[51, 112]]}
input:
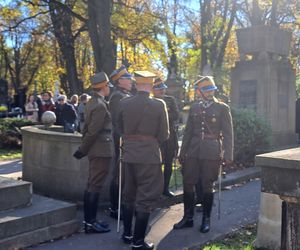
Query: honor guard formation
{"points": [[135, 134]]}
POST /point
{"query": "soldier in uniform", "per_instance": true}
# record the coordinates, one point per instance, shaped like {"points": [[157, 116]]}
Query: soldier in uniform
{"points": [[97, 144], [207, 140], [169, 148], [122, 81], [143, 123]]}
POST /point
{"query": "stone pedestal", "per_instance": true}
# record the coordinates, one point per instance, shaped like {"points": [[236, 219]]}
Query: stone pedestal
{"points": [[266, 82], [49, 164], [280, 175], [175, 89], [269, 222]]}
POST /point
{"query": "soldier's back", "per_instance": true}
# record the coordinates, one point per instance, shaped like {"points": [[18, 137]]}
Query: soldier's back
{"points": [[143, 124], [143, 111]]}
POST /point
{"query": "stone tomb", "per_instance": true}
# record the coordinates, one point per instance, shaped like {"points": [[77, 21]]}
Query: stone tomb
{"points": [[49, 164], [280, 179], [264, 80]]}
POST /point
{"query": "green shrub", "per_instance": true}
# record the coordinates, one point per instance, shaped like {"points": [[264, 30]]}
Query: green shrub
{"points": [[10, 133], [252, 135]]}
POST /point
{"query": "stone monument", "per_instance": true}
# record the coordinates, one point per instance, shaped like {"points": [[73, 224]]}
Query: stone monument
{"points": [[280, 177], [175, 87], [264, 80]]}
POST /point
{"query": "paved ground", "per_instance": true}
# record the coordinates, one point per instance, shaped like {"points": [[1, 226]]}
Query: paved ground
{"points": [[11, 169], [239, 207]]}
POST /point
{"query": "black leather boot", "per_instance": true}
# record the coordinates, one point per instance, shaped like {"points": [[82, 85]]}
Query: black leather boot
{"points": [[138, 242], [128, 211], [167, 177], [114, 200], [187, 220], [207, 206], [91, 225]]}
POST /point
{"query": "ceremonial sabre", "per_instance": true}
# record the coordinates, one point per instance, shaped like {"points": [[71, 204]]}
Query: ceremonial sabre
{"points": [[120, 185], [220, 189], [175, 174]]}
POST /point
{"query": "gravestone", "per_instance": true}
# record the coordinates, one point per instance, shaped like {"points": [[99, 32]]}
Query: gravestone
{"points": [[280, 176], [264, 80]]}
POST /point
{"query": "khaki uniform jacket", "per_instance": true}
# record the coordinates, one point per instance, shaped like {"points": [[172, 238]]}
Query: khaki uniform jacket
{"points": [[145, 116], [170, 146], [214, 121], [96, 134], [114, 103]]}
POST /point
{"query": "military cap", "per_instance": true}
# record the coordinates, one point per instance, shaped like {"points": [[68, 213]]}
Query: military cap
{"points": [[158, 80], [205, 83], [100, 80], [144, 77], [160, 86], [120, 73]]}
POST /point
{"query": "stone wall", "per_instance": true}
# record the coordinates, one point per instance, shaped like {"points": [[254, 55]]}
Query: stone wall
{"points": [[48, 163]]}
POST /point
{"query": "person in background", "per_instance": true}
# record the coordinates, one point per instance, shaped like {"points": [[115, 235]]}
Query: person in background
{"points": [[169, 147], [65, 114], [80, 114], [74, 101], [31, 108], [47, 103], [122, 81]]}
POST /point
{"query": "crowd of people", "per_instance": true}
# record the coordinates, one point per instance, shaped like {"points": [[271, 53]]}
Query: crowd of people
{"points": [[69, 113], [134, 134]]}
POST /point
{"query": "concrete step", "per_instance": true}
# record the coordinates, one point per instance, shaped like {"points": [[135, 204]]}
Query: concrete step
{"points": [[14, 193], [40, 235], [42, 214]]}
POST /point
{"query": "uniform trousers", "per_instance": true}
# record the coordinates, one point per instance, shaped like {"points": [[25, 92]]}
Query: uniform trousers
{"points": [[98, 170], [143, 186], [205, 170]]}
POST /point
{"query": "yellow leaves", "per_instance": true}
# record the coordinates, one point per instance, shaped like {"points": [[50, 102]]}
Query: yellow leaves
{"points": [[60, 71], [9, 13]]}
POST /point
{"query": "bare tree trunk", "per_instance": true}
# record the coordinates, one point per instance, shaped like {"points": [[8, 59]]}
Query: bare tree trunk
{"points": [[220, 57], [274, 13], [62, 25], [99, 26], [204, 19]]}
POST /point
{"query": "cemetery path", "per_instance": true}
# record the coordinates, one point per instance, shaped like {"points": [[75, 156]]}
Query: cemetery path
{"points": [[239, 207], [11, 168]]}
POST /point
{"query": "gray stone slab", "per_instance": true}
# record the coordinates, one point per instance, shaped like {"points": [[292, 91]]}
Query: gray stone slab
{"points": [[14, 193], [288, 159], [40, 235], [264, 38], [43, 212], [241, 176]]}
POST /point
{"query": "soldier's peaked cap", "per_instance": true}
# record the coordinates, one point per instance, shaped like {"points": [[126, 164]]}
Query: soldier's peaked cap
{"points": [[205, 83], [160, 86], [144, 77], [99, 80], [120, 73]]}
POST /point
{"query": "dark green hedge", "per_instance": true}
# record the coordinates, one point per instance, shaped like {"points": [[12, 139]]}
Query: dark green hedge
{"points": [[252, 135], [10, 133]]}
